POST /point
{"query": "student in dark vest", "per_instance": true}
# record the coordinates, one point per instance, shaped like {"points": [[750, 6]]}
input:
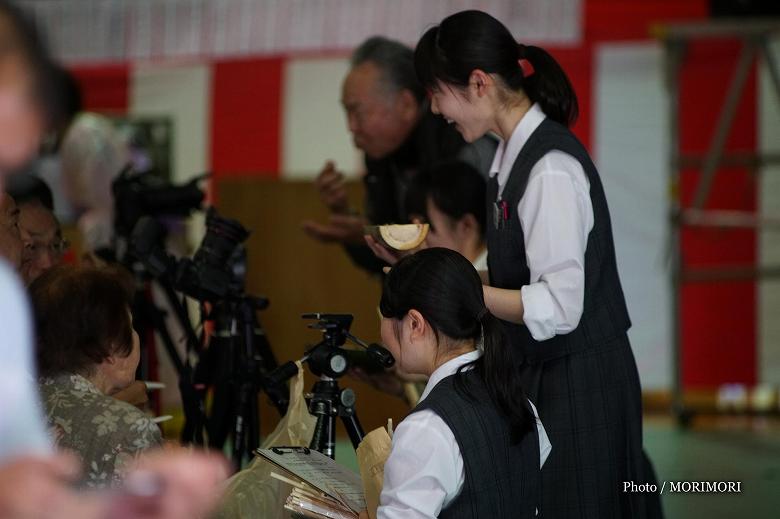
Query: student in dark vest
{"points": [[553, 277], [450, 196], [473, 446]]}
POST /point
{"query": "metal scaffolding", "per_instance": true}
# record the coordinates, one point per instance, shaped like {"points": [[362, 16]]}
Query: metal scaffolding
{"points": [[754, 35]]}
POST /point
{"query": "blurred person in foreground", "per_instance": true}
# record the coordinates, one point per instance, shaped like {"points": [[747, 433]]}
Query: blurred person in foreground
{"points": [[35, 482]]}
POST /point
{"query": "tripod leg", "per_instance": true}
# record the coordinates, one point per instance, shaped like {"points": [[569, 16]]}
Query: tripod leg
{"points": [[353, 427], [324, 438], [349, 416], [191, 400], [222, 412], [253, 430], [245, 431]]}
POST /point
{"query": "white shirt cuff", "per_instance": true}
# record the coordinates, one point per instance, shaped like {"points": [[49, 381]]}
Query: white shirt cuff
{"points": [[538, 311]]}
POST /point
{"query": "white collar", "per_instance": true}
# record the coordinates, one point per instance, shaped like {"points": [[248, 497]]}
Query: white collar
{"points": [[447, 369], [480, 263], [507, 151]]}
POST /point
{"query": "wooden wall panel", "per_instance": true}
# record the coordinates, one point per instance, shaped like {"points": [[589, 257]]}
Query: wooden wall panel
{"points": [[300, 275]]}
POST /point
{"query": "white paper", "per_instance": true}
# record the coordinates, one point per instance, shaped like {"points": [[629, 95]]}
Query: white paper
{"points": [[321, 472]]}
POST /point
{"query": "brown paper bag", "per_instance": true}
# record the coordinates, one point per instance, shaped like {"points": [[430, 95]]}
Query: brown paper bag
{"points": [[297, 426], [253, 492], [372, 453]]}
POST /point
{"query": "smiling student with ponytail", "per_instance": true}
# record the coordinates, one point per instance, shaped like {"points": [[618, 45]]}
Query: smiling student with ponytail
{"points": [[473, 446], [551, 260]]}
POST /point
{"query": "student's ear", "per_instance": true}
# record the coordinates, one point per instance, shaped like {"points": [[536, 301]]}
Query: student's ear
{"points": [[468, 225], [417, 325], [481, 81]]}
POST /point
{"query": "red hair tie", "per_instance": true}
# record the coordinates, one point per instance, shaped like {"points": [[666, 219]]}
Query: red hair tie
{"points": [[526, 67]]}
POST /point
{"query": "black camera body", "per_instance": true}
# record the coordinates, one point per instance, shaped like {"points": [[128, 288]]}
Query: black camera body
{"points": [[216, 270], [139, 195]]}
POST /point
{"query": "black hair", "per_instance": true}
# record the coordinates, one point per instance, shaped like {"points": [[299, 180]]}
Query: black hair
{"points": [[396, 62], [456, 188], [471, 40], [25, 188], [446, 289]]}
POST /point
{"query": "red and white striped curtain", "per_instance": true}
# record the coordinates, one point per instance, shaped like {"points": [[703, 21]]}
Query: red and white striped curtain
{"points": [[126, 30]]}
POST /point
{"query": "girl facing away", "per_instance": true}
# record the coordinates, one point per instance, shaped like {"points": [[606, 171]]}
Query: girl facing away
{"points": [[473, 446]]}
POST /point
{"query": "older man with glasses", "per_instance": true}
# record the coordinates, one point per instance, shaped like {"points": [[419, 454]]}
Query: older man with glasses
{"points": [[39, 228]]}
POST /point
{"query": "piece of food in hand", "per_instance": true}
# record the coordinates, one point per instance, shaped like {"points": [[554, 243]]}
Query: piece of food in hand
{"points": [[399, 237]]}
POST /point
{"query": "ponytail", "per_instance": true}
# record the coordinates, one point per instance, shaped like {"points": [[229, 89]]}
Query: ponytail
{"points": [[549, 86], [471, 40], [497, 369]]}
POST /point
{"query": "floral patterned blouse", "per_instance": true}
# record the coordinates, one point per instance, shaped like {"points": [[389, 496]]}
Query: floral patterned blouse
{"points": [[105, 432]]}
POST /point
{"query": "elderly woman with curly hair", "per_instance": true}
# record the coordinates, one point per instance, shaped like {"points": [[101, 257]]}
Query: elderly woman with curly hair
{"points": [[87, 351]]}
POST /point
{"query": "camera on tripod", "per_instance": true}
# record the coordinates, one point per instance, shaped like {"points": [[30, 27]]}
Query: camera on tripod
{"points": [[216, 271], [232, 370], [328, 360], [142, 194]]}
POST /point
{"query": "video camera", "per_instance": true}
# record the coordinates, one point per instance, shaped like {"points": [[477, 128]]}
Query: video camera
{"points": [[232, 370], [138, 195], [216, 270]]}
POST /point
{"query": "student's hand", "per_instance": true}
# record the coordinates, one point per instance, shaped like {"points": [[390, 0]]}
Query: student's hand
{"points": [[390, 381], [386, 381], [382, 252], [391, 256], [332, 190], [342, 228], [364, 514]]}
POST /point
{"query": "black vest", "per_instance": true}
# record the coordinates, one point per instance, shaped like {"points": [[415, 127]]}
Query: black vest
{"points": [[501, 479], [604, 315]]}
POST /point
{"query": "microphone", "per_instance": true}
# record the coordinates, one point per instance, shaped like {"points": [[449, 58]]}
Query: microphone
{"points": [[282, 374], [376, 352], [380, 354]]}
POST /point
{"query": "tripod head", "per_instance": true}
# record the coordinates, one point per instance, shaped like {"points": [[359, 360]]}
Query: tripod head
{"points": [[327, 358]]}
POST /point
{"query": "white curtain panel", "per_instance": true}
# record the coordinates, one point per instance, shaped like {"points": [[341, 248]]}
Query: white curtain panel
{"points": [[119, 30]]}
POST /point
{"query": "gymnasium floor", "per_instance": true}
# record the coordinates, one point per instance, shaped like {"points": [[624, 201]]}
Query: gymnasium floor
{"points": [[724, 449]]}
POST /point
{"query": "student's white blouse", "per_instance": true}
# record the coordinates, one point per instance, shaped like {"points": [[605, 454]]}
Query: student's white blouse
{"points": [[424, 472], [556, 215]]}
